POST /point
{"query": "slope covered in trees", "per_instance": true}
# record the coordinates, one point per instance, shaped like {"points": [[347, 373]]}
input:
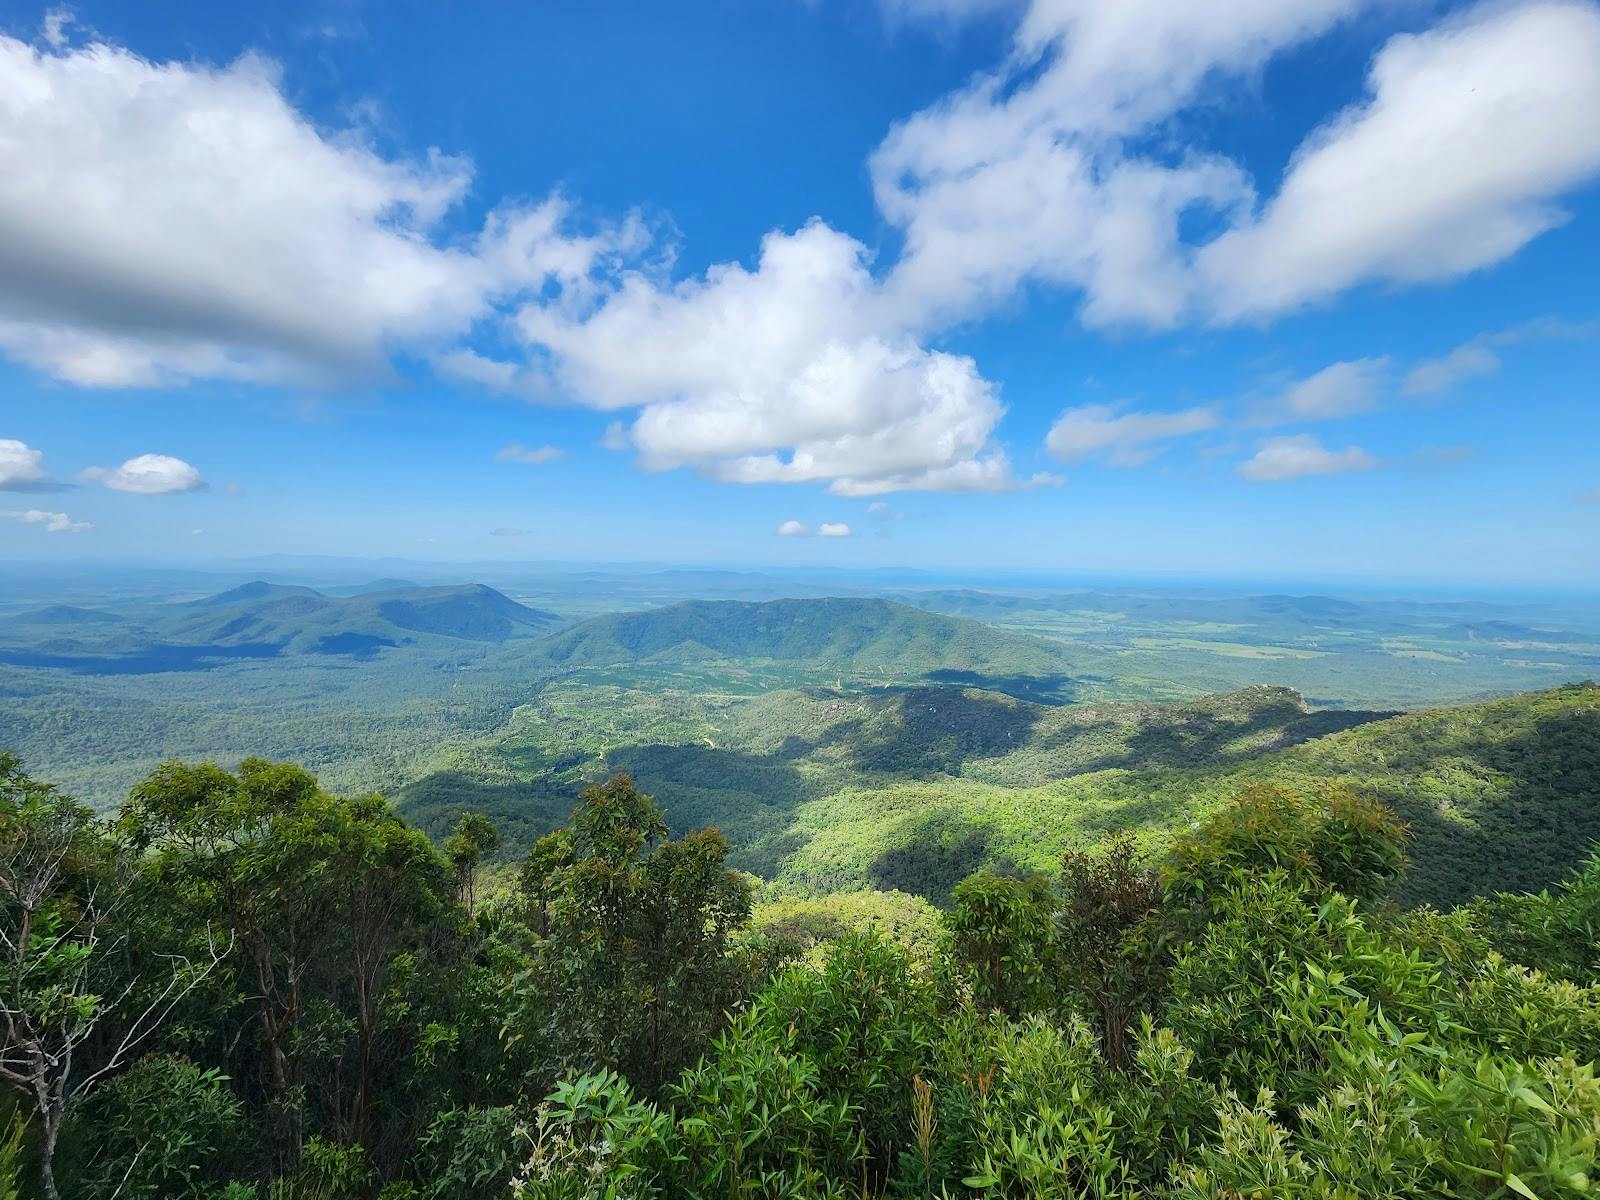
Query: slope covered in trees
{"points": [[910, 789]]}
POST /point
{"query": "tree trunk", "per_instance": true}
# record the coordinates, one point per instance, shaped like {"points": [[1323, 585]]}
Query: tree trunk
{"points": [[50, 1118]]}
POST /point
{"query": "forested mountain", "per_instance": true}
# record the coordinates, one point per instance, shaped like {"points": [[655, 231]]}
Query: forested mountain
{"points": [[855, 634]]}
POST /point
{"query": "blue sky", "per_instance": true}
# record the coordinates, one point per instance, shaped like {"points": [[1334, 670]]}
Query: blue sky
{"points": [[1248, 289]]}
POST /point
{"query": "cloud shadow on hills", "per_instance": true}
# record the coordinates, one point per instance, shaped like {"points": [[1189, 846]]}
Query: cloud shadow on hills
{"points": [[1036, 689], [920, 732], [933, 853], [158, 659], [1550, 814]]}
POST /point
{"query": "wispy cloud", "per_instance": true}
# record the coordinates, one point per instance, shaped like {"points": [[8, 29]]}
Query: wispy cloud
{"points": [[1284, 458], [1342, 389], [1122, 439], [1480, 356], [517, 452], [53, 522]]}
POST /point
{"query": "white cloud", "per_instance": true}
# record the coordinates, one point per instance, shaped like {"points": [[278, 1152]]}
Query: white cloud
{"points": [[1342, 389], [149, 475], [529, 381], [54, 522], [793, 529], [517, 452], [833, 529], [1285, 458], [1470, 134], [1454, 162], [793, 372], [167, 221], [1443, 373], [1024, 175], [22, 468], [506, 532], [1123, 439]]}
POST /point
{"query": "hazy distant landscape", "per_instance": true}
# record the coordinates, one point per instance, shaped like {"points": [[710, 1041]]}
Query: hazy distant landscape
{"points": [[373, 682], [896, 740]]}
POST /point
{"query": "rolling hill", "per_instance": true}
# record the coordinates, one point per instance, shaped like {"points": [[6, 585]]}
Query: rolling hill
{"points": [[863, 635], [821, 790]]}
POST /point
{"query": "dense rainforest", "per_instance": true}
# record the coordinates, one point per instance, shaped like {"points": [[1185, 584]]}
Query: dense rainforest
{"points": [[241, 985]]}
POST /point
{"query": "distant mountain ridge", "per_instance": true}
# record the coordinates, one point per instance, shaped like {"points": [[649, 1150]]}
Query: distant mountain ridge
{"points": [[861, 634], [264, 620], [66, 614], [301, 619]]}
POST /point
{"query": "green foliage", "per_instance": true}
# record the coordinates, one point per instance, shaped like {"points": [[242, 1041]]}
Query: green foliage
{"points": [[1108, 946], [1001, 928], [1329, 839], [1558, 932], [13, 1157], [469, 1152], [592, 1140], [756, 1119], [634, 972], [866, 1021], [810, 926], [165, 1129], [855, 634]]}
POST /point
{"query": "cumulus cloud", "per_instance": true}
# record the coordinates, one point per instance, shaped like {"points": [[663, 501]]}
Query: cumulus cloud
{"points": [[834, 529], [22, 468], [53, 522], [1342, 389], [793, 529], [1123, 439], [794, 371], [166, 221], [517, 452], [1284, 458], [149, 475], [1033, 173], [1025, 174], [1470, 133]]}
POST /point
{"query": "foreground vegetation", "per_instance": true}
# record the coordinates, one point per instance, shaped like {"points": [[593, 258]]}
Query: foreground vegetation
{"points": [[242, 986]]}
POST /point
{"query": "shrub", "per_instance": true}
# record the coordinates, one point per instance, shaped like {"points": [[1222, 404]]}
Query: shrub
{"points": [[164, 1129]]}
